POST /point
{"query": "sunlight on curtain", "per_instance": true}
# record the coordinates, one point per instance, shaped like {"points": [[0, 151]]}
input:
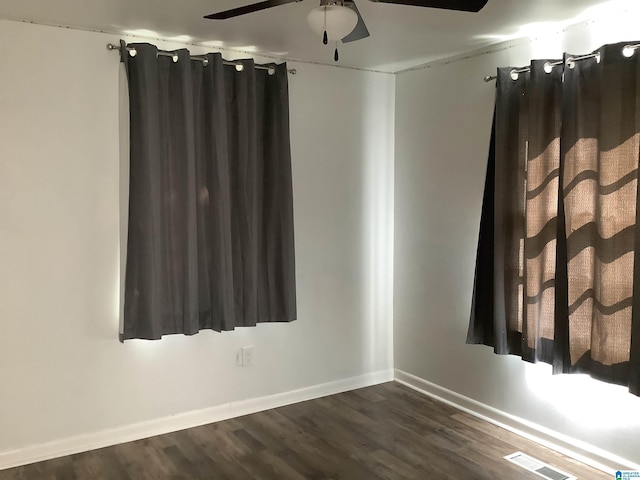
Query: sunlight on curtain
{"points": [[559, 236]]}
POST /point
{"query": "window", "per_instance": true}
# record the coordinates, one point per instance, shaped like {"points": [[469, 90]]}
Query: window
{"points": [[559, 236], [210, 239]]}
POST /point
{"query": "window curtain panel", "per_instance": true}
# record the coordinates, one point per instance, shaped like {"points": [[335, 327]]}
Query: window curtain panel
{"points": [[210, 240], [559, 234]]}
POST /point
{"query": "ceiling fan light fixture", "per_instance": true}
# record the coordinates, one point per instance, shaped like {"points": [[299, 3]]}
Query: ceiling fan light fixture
{"points": [[340, 21]]}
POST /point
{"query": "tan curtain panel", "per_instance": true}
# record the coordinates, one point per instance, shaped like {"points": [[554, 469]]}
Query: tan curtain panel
{"points": [[559, 236]]}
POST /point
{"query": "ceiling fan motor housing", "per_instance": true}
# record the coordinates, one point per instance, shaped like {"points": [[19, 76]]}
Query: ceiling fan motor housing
{"points": [[337, 20]]}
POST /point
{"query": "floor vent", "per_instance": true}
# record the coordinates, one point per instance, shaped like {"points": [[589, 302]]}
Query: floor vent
{"points": [[538, 467]]}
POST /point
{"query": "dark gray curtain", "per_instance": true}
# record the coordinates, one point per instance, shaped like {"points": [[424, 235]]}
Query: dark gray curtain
{"points": [[210, 241], [559, 236]]}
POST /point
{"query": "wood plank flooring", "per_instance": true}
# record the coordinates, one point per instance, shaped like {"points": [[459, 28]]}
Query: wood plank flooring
{"points": [[383, 432]]}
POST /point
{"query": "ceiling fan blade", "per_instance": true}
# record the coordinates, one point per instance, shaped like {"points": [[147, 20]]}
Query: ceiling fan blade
{"points": [[463, 5], [255, 7], [361, 30]]}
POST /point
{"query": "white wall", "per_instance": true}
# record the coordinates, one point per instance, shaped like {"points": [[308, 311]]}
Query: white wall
{"points": [[443, 123], [62, 370]]}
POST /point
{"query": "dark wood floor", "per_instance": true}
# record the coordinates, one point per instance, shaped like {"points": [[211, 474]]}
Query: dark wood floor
{"points": [[382, 432]]}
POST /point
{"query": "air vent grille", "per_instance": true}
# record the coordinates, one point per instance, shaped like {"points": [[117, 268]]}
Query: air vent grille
{"points": [[536, 466]]}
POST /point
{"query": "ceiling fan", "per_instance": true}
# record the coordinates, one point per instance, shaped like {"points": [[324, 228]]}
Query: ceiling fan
{"points": [[341, 20]]}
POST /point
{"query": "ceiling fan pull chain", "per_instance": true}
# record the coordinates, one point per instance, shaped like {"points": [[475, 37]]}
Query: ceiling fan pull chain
{"points": [[336, 57], [325, 37]]}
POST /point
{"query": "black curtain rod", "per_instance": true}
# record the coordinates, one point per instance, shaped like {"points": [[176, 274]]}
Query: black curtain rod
{"points": [[239, 66], [627, 51]]}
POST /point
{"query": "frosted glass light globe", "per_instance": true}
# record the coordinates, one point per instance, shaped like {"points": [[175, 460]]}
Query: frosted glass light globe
{"points": [[340, 21]]}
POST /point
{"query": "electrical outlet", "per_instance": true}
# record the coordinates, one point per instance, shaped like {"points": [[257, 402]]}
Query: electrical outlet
{"points": [[247, 356]]}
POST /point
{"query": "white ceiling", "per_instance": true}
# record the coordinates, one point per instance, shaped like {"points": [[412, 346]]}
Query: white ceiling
{"points": [[401, 36]]}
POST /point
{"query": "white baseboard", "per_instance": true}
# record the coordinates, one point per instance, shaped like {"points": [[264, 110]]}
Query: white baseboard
{"points": [[91, 441], [571, 447]]}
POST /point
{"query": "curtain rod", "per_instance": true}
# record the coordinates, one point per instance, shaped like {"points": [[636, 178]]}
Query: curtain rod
{"points": [[627, 51], [205, 61]]}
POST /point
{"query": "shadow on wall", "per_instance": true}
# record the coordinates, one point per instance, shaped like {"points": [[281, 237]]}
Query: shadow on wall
{"points": [[123, 124], [378, 146]]}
